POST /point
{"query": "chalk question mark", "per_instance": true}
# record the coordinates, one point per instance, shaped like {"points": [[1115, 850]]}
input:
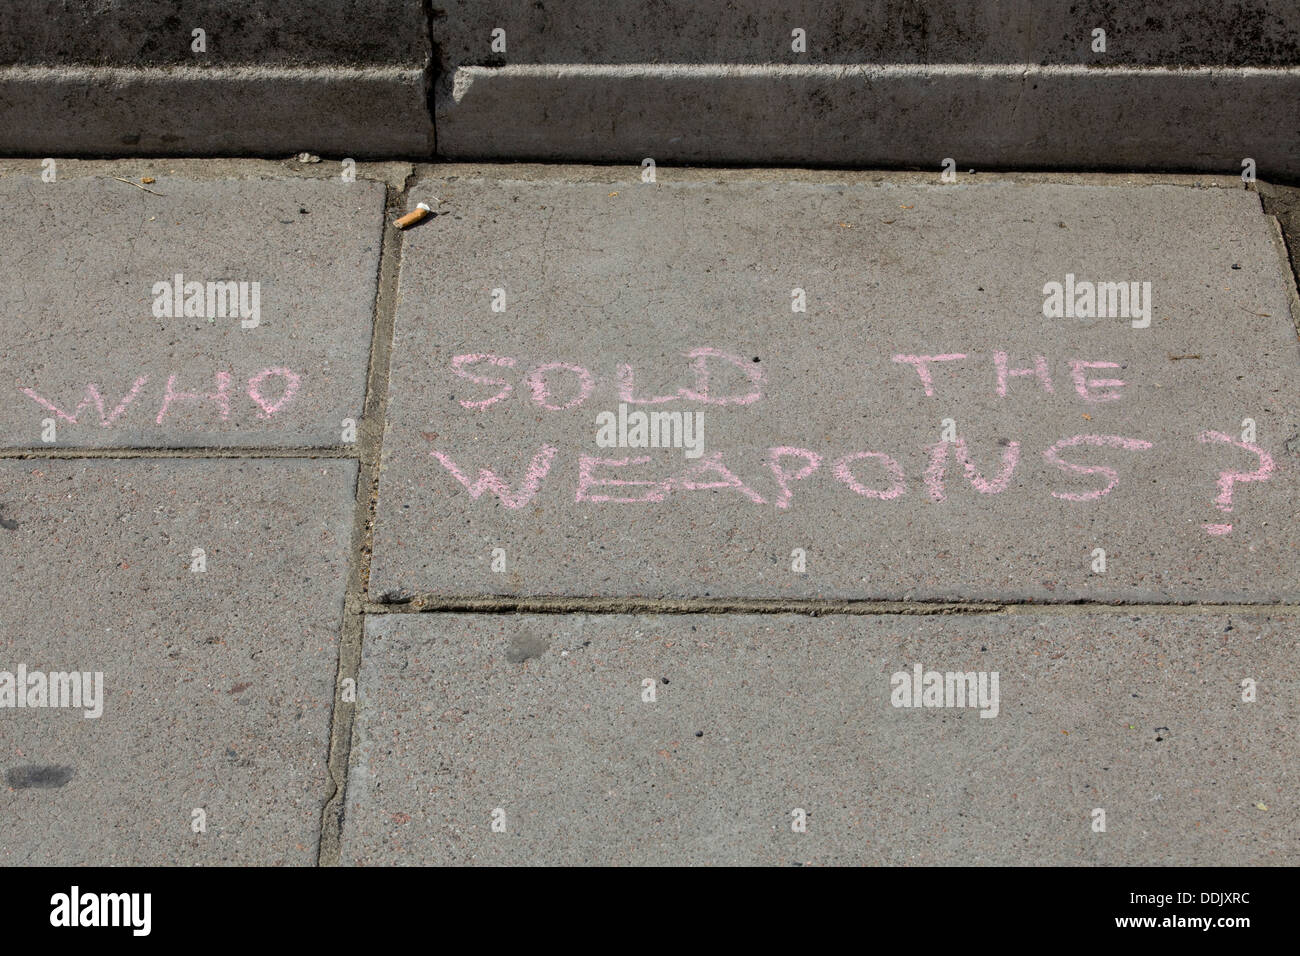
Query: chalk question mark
{"points": [[1227, 479]]}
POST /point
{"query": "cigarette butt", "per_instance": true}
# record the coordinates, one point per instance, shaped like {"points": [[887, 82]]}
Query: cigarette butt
{"points": [[420, 212]]}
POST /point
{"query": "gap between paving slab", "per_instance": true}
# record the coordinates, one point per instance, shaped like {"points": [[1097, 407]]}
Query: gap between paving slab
{"points": [[369, 448]]}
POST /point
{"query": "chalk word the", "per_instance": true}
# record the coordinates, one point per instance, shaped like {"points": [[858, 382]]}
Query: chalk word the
{"points": [[1094, 391]]}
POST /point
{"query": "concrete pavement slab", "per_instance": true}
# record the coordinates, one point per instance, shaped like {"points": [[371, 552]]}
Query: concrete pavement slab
{"points": [[533, 739], [980, 391], [207, 597], [195, 314]]}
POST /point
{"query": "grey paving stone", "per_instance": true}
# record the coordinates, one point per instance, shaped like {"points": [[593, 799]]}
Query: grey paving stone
{"points": [[79, 275], [542, 717], [217, 685], [608, 280]]}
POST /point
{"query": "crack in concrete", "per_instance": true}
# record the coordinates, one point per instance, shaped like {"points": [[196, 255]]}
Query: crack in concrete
{"points": [[1282, 203], [431, 74], [435, 604], [369, 447]]}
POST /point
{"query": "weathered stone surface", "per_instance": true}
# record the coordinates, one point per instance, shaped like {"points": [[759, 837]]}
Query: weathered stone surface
{"points": [[821, 434], [217, 685], [541, 720], [88, 351]]}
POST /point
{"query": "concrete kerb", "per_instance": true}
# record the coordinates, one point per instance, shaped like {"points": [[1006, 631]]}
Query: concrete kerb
{"points": [[391, 174], [193, 111], [887, 115]]}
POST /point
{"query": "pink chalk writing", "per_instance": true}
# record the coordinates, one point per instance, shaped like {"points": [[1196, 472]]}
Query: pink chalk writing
{"points": [[458, 364], [627, 390], [92, 397], [1085, 386], [219, 398], [537, 384], [892, 468], [1096, 441], [557, 386], [538, 468], [712, 465], [703, 362], [267, 409], [691, 480], [1228, 479], [922, 365], [700, 393], [656, 492], [812, 461], [934, 474], [1094, 391], [1000, 362], [607, 481]]}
